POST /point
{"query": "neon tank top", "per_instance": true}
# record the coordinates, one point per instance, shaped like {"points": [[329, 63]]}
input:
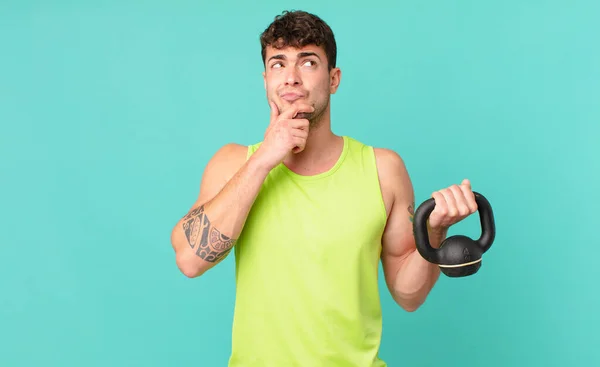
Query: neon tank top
{"points": [[307, 268]]}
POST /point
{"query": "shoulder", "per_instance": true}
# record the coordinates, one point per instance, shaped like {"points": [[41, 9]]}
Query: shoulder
{"points": [[393, 174], [230, 153], [388, 159], [221, 167], [232, 150], [226, 161], [390, 165]]}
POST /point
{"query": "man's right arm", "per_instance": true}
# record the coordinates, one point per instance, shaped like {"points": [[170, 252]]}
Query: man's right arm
{"points": [[208, 232], [230, 185]]}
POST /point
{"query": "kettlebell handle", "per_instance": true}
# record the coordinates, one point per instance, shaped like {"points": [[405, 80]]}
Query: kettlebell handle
{"points": [[486, 218]]}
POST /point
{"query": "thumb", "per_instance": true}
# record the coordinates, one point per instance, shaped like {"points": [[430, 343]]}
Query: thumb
{"points": [[466, 182], [274, 112]]}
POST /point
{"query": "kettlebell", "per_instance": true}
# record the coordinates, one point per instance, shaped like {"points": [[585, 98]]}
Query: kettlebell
{"points": [[457, 256]]}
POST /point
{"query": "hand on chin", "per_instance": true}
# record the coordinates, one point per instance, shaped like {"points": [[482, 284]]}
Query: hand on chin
{"points": [[300, 115]]}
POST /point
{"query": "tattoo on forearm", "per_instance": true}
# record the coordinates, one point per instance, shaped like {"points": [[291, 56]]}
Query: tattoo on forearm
{"points": [[411, 211], [210, 244]]}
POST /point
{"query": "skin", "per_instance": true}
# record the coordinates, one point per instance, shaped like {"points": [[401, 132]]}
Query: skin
{"points": [[230, 183]]}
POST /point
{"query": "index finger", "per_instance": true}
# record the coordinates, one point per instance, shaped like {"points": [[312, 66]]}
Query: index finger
{"points": [[295, 109]]}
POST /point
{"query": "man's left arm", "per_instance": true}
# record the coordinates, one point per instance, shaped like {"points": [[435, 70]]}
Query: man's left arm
{"points": [[409, 277]]}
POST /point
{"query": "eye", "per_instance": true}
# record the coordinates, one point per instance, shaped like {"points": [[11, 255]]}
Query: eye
{"points": [[309, 62], [276, 64]]}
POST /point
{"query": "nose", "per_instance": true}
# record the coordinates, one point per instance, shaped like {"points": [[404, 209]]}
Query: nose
{"points": [[292, 76]]}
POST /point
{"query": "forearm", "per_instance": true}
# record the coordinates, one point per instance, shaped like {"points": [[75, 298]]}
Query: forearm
{"points": [[416, 277], [208, 232]]}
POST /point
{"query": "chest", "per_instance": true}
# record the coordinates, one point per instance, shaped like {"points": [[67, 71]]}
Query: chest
{"points": [[321, 221]]}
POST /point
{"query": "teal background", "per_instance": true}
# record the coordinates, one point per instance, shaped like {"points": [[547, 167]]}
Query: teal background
{"points": [[110, 110]]}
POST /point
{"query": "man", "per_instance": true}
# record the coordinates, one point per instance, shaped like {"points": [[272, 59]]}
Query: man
{"points": [[309, 214]]}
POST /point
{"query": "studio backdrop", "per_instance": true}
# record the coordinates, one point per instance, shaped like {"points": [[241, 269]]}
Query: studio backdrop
{"points": [[110, 110]]}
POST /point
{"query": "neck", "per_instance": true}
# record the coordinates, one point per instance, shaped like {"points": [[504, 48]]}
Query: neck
{"points": [[322, 150]]}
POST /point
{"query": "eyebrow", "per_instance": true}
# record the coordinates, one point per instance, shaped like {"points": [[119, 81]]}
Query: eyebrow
{"points": [[300, 55]]}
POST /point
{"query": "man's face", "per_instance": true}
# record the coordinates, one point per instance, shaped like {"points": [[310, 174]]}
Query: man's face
{"points": [[295, 76]]}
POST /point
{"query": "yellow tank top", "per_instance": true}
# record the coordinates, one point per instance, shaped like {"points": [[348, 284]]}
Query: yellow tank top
{"points": [[307, 268]]}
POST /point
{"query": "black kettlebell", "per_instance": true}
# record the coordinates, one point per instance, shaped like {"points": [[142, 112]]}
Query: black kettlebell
{"points": [[457, 256]]}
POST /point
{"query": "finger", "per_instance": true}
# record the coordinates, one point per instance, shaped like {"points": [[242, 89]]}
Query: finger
{"points": [[440, 210], [461, 201], [299, 144], [469, 198], [295, 109], [466, 183], [299, 133], [299, 124], [451, 202], [304, 108], [441, 206], [274, 111]]}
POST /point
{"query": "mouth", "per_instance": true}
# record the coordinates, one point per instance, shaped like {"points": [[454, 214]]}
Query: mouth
{"points": [[291, 97]]}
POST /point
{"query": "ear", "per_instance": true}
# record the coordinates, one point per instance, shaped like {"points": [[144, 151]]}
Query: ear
{"points": [[335, 76], [264, 79]]}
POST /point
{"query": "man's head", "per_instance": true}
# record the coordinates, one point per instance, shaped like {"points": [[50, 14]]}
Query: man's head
{"points": [[299, 53]]}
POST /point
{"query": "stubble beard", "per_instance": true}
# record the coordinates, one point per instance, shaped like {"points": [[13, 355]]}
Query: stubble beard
{"points": [[314, 118]]}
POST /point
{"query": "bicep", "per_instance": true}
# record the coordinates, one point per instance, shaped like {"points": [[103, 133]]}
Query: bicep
{"points": [[398, 241], [218, 171]]}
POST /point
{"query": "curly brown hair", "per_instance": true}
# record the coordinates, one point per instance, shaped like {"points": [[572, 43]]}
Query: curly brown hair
{"points": [[298, 29]]}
